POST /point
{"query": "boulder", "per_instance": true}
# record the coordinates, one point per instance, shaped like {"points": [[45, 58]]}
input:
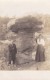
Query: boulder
{"points": [[25, 29]]}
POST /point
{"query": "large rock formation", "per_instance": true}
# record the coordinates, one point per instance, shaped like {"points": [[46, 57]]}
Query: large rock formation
{"points": [[25, 29]]}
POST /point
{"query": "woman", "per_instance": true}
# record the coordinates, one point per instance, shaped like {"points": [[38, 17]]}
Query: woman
{"points": [[40, 56]]}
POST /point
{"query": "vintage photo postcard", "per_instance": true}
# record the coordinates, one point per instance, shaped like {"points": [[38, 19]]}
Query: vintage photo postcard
{"points": [[24, 35]]}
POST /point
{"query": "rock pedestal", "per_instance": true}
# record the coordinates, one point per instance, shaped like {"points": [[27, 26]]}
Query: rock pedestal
{"points": [[25, 28]]}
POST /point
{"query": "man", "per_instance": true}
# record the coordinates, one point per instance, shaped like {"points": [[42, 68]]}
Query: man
{"points": [[12, 53]]}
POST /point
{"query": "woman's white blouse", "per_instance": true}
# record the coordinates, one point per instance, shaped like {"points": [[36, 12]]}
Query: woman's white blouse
{"points": [[41, 41]]}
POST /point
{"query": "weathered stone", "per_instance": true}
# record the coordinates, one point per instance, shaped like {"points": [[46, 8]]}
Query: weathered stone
{"points": [[25, 42]]}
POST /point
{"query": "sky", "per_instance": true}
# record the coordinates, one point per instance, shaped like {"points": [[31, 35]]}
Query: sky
{"points": [[24, 7]]}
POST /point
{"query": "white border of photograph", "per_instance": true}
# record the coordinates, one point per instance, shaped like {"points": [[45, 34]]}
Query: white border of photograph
{"points": [[25, 75]]}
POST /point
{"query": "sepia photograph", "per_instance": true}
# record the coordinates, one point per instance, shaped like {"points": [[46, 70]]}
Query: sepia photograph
{"points": [[24, 35]]}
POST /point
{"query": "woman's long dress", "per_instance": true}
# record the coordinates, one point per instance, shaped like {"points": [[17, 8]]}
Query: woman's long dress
{"points": [[40, 56]]}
